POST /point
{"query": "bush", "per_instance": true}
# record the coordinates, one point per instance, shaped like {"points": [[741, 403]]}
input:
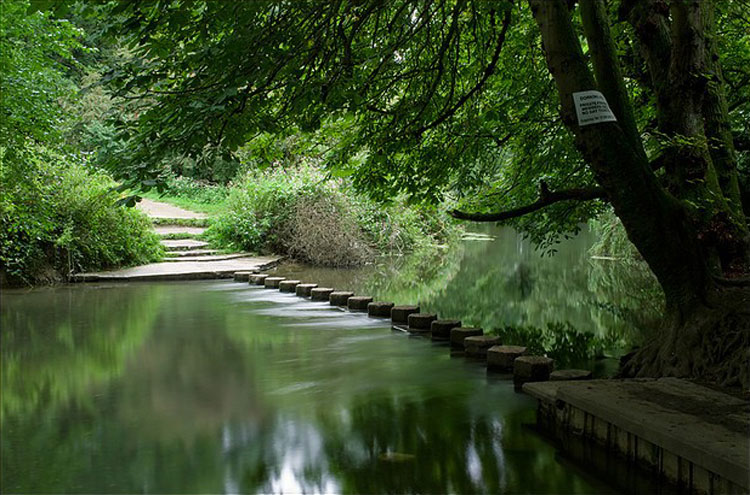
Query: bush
{"points": [[301, 212], [60, 217], [197, 191]]}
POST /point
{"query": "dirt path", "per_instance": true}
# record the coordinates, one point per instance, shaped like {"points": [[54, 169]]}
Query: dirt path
{"points": [[157, 209]]}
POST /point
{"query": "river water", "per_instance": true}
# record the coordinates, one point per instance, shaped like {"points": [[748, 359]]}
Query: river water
{"points": [[221, 387]]}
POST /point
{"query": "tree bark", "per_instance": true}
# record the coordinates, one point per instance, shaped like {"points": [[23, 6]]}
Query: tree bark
{"points": [[656, 222], [607, 68], [691, 120], [716, 118]]}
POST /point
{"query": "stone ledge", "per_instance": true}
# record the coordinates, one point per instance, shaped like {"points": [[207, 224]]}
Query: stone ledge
{"points": [[700, 425]]}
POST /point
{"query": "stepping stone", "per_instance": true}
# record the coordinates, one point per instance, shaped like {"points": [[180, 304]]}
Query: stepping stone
{"points": [[288, 285], [379, 309], [561, 375], [242, 276], [320, 293], [459, 334], [400, 314], [358, 303], [441, 329], [303, 290], [477, 346], [420, 322], [501, 357], [183, 244], [258, 278], [273, 282], [339, 298], [532, 369]]}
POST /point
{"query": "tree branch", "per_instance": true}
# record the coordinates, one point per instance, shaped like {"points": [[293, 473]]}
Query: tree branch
{"points": [[546, 198], [488, 71]]}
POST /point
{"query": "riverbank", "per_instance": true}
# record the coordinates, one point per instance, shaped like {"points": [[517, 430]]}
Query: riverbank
{"points": [[187, 257]]}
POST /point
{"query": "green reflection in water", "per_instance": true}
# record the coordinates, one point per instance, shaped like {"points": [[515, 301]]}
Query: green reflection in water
{"points": [[572, 306], [220, 387]]}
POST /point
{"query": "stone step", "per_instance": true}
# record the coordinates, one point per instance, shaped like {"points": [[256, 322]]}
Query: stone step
{"points": [[165, 230], [183, 245], [206, 257], [185, 222], [690, 434], [191, 252]]}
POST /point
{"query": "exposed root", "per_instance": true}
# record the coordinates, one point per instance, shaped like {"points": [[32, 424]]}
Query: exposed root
{"points": [[713, 345]]}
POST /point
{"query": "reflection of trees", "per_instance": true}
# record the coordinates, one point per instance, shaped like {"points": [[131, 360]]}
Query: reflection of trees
{"points": [[456, 448], [61, 350], [403, 279], [58, 344], [507, 283]]}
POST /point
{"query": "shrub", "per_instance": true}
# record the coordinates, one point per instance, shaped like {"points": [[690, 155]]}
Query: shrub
{"points": [[301, 212], [198, 191], [60, 217]]}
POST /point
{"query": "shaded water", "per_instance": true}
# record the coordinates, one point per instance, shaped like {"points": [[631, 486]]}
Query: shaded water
{"points": [[219, 387]]}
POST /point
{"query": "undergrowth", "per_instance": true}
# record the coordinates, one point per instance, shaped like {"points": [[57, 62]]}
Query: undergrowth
{"points": [[59, 217], [301, 212]]}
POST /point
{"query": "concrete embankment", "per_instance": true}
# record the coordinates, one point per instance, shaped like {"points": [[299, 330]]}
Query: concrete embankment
{"points": [[691, 435]]}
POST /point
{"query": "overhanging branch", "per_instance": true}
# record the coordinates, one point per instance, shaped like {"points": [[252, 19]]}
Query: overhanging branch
{"points": [[546, 198]]}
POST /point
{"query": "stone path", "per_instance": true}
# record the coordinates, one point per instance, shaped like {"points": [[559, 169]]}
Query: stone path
{"points": [[187, 258]]}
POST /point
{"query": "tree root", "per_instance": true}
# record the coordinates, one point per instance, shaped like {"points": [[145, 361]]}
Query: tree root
{"points": [[712, 344]]}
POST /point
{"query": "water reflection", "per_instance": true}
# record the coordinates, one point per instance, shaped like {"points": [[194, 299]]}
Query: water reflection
{"points": [[220, 387], [573, 306]]}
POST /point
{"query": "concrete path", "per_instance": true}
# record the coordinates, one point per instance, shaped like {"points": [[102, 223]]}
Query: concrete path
{"points": [[187, 258], [707, 429], [183, 270]]}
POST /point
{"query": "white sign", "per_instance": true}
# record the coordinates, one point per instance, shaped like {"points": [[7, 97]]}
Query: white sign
{"points": [[592, 108]]}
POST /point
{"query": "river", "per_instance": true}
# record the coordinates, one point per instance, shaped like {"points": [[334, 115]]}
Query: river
{"points": [[221, 387]]}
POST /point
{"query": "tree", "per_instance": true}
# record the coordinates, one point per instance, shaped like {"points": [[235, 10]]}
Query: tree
{"points": [[453, 95]]}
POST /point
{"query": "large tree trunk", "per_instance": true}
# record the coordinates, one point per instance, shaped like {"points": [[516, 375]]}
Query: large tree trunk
{"points": [[702, 318]]}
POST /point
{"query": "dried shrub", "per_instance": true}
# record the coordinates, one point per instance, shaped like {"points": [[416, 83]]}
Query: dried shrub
{"points": [[323, 231]]}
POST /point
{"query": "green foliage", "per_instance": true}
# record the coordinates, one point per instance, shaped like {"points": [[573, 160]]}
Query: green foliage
{"points": [[266, 211], [59, 216], [618, 267], [196, 190], [34, 49], [560, 341]]}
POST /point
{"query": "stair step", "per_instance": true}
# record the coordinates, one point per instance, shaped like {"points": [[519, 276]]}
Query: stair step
{"points": [[191, 252], [178, 229], [208, 257], [183, 245], [184, 222]]}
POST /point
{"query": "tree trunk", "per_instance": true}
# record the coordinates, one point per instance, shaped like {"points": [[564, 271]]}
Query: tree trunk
{"points": [[655, 221], [706, 329]]}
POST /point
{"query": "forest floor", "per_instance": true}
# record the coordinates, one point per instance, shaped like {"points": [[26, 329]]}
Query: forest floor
{"points": [[187, 257]]}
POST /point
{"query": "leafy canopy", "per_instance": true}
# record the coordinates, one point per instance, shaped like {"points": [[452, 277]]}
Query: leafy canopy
{"points": [[429, 96]]}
